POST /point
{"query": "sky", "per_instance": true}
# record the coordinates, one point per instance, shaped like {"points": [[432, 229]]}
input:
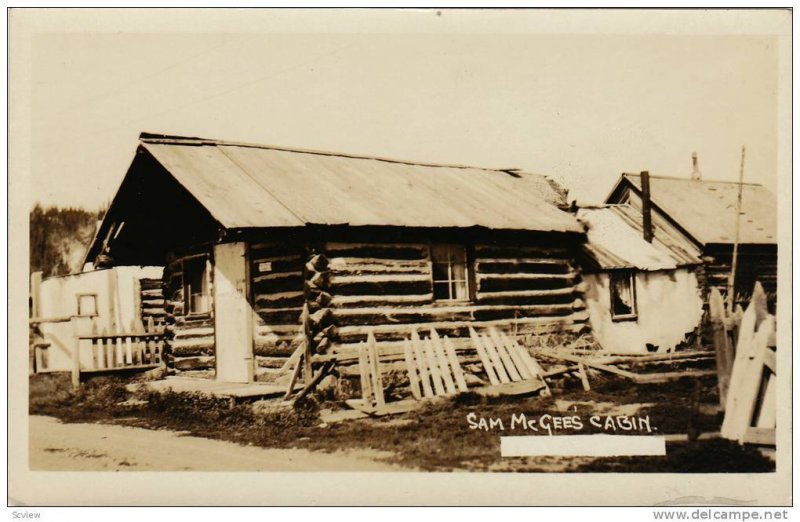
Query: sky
{"points": [[580, 107]]}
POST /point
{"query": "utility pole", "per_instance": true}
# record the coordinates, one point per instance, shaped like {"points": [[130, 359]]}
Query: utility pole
{"points": [[734, 261]]}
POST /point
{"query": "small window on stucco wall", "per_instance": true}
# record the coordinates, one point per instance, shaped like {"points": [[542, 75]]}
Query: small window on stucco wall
{"points": [[196, 291], [87, 305], [623, 296]]}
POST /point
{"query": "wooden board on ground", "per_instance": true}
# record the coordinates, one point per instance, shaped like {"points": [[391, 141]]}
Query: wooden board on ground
{"points": [[511, 388], [390, 408]]}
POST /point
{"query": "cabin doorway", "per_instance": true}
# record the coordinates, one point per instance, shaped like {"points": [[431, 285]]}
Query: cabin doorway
{"points": [[233, 328]]}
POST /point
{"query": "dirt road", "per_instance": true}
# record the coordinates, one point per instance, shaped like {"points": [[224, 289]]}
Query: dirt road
{"points": [[102, 447]]}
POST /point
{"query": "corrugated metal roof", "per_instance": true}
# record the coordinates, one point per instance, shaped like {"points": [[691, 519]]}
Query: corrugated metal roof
{"points": [[246, 186], [615, 240], [707, 209]]}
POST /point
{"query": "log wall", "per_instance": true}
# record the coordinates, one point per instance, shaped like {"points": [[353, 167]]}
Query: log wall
{"points": [[277, 295], [353, 288], [755, 263], [387, 288], [190, 337], [151, 301]]}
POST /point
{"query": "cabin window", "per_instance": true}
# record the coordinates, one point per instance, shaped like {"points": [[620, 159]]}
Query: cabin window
{"points": [[449, 273], [623, 296], [197, 299], [87, 305]]}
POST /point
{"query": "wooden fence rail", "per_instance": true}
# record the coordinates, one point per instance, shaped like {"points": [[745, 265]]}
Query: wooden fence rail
{"points": [[139, 348]]}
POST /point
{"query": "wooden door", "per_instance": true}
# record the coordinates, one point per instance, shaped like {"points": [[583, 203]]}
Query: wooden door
{"points": [[233, 328]]}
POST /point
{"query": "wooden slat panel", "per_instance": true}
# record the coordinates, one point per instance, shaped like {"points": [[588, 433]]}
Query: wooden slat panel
{"points": [[508, 361], [365, 370], [454, 364], [497, 361], [436, 373], [413, 376], [484, 356], [519, 363], [441, 358], [422, 364], [377, 381], [529, 362], [515, 368]]}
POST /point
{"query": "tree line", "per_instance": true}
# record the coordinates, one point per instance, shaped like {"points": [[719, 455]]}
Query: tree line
{"points": [[59, 238]]}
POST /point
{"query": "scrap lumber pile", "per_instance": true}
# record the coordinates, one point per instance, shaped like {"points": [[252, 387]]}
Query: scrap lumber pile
{"points": [[678, 363]]}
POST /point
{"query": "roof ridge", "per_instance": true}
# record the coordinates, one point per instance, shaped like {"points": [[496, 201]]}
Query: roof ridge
{"points": [[698, 180], [148, 137]]}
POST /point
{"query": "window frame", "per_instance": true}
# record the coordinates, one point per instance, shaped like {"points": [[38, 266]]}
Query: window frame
{"points": [[631, 275], [94, 298], [468, 274], [187, 296]]}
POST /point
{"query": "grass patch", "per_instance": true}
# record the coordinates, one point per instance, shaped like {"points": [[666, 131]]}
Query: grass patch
{"points": [[435, 437]]}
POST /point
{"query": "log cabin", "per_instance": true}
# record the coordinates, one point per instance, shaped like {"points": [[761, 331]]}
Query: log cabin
{"points": [[642, 292], [703, 212], [250, 235]]}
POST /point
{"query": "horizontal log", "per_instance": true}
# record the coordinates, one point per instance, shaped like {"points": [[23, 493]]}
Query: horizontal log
{"points": [[382, 288], [189, 333], [357, 270], [527, 276], [197, 346], [265, 348], [278, 329], [380, 300], [378, 250], [182, 321], [343, 262], [157, 293], [204, 362], [148, 311], [289, 315], [356, 265], [408, 315], [378, 278], [453, 329], [463, 345], [426, 314], [270, 362], [276, 283], [525, 294], [504, 282], [526, 260], [279, 299], [529, 266]]}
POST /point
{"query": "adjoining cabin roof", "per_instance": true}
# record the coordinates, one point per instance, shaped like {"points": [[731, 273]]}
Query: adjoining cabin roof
{"points": [[707, 209], [615, 241], [257, 186]]}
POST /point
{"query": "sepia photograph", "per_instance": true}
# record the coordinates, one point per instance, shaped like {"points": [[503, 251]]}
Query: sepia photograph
{"points": [[434, 256]]}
